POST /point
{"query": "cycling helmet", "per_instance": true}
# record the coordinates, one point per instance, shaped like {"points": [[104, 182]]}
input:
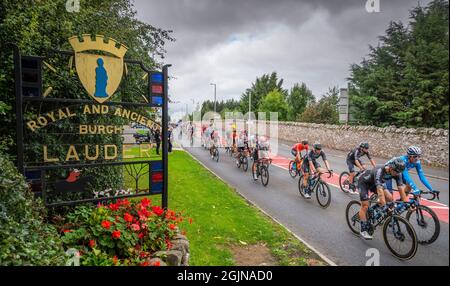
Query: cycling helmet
{"points": [[364, 145], [414, 151], [397, 164], [317, 146], [305, 142]]}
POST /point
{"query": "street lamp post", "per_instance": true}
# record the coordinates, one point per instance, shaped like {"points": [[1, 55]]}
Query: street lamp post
{"points": [[215, 93]]}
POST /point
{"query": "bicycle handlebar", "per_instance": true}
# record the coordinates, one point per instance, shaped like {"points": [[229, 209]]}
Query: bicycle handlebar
{"points": [[434, 194]]}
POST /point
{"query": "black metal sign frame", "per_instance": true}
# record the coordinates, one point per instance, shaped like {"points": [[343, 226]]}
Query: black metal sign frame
{"points": [[20, 100]]}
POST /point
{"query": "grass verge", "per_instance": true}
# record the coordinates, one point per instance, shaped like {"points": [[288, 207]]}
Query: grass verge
{"points": [[223, 220]]}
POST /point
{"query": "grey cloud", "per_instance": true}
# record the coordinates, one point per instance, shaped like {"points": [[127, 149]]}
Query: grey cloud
{"points": [[235, 41]]}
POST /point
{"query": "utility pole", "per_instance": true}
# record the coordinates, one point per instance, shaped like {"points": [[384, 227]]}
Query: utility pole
{"points": [[215, 93]]}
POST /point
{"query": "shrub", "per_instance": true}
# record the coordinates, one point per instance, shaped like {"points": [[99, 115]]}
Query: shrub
{"points": [[120, 233], [24, 237]]}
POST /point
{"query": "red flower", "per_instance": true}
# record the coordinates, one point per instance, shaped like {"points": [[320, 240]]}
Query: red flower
{"points": [[92, 243], [190, 220], [172, 226], [106, 224], [157, 210], [145, 263], [67, 230], [141, 235], [116, 234], [114, 207], [169, 244], [146, 202], [157, 263], [135, 227], [127, 217], [125, 203], [115, 260]]}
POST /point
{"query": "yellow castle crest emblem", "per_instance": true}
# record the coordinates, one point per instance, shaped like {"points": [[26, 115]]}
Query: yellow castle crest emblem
{"points": [[100, 74]]}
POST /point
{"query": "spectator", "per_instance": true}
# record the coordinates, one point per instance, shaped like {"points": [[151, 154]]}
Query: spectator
{"points": [[157, 137]]}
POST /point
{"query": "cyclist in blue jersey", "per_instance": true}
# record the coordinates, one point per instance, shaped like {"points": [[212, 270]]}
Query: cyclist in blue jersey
{"points": [[411, 160]]}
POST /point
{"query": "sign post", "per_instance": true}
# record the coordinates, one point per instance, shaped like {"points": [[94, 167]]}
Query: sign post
{"points": [[79, 126]]}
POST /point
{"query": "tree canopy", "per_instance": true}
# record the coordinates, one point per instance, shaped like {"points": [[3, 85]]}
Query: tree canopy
{"points": [[404, 81]]}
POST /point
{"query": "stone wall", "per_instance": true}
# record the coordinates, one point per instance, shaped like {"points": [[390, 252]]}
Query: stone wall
{"points": [[177, 255], [384, 142]]}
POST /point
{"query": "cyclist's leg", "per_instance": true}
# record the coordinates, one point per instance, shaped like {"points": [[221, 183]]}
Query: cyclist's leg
{"points": [[255, 162], [364, 190], [305, 167], [351, 170], [388, 195]]}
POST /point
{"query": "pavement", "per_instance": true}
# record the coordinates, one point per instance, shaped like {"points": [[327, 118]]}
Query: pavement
{"points": [[326, 230]]}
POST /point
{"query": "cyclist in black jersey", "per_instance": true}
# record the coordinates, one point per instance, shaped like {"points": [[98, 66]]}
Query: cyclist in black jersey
{"points": [[374, 181], [311, 166], [353, 159]]}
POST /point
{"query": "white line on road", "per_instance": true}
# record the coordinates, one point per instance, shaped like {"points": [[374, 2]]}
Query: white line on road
{"points": [[326, 259]]}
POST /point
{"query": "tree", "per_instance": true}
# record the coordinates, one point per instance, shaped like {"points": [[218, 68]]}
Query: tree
{"points": [[405, 80], [274, 102], [39, 26], [260, 89], [325, 111], [298, 99]]}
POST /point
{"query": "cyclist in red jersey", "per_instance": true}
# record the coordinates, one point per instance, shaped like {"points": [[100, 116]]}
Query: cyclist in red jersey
{"points": [[297, 149]]}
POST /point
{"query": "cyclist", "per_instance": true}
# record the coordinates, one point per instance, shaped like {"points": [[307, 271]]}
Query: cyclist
{"points": [[191, 130], [310, 165], [234, 137], [214, 139], [412, 160], [297, 149], [242, 145], [261, 144], [373, 181], [353, 158]]}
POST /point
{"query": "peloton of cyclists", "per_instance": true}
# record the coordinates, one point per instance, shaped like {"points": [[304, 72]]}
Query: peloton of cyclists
{"points": [[311, 166], [353, 159]]}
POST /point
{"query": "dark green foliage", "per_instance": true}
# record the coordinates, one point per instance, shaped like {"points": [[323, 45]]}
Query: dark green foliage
{"points": [[404, 82], [298, 99], [325, 111], [262, 86], [24, 238], [39, 26]]}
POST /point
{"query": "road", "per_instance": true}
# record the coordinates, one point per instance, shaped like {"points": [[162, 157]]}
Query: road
{"points": [[325, 229]]}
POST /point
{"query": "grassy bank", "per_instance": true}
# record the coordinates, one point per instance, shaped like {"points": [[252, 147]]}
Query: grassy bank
{"points": [[224, 223]]}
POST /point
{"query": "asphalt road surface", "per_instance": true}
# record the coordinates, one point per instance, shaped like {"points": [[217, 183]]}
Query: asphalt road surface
{"points": [[325, 229]]}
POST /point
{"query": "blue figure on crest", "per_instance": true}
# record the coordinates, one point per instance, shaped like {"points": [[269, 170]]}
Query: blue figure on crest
{"points": [[101, 79]]}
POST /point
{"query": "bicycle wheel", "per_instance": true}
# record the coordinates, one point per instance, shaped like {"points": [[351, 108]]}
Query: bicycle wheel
{"points": [[301, 186], [238, 162], [352, 216], [323, 194], [426, 224], [245, 164], [344, 183], [264, 175], [292, 170], [400, 237]]}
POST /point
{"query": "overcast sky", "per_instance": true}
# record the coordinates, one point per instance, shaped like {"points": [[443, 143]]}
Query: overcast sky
{"points": [[232, 42]]}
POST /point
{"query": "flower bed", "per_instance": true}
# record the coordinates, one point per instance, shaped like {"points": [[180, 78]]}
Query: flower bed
{"points": [[126, 233]]}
